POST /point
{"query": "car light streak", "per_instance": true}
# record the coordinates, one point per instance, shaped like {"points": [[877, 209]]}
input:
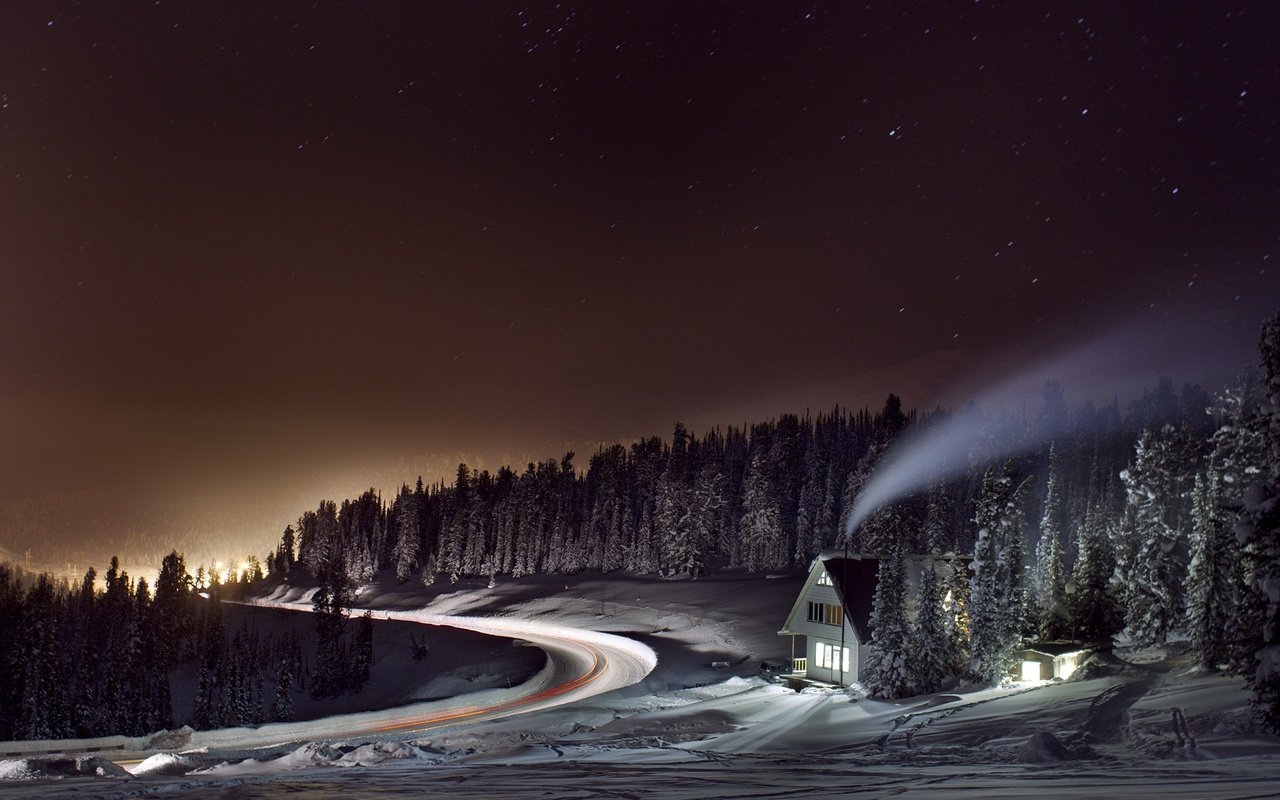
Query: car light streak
{"points": [[618, 660]]}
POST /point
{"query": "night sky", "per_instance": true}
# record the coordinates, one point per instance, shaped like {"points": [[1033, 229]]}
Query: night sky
{"points": [[253, 253]]}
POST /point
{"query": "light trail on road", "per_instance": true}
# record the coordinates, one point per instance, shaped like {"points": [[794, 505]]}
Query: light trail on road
{"points": [[580, 664]]}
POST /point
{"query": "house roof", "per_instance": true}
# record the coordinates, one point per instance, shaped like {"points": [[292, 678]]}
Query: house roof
{"points": [[854, 578], [1054, 649]]}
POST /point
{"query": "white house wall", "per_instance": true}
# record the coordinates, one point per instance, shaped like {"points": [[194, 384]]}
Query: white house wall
{"points": [[799, 623]]}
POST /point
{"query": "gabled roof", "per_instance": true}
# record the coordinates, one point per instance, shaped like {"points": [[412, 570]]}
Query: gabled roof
{"points": [[854, 580], [854, 576]]}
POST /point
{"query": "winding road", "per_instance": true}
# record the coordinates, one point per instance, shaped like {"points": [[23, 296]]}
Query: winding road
{"points": [[580, 664]]}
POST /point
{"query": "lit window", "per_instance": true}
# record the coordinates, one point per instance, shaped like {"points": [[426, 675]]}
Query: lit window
{"points": [[827, 656], [834, 615], [1031, 670], [824, 578]]}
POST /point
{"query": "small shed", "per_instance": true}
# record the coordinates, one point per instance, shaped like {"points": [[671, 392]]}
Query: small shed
{"points": [[1044, 661]]}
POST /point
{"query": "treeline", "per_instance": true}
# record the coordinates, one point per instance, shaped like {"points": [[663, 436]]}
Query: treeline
{"points": [[79, 662], [768, 496]]}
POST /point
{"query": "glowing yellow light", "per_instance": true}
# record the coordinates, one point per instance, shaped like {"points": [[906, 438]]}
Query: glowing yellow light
{"points": [[1031, 670]]}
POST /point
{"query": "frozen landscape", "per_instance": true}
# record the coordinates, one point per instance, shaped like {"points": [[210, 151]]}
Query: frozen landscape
{"points": [[679, 727]]}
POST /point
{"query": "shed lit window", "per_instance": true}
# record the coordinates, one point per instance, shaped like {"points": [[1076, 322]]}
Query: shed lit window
{"points": [[1031, 670]]}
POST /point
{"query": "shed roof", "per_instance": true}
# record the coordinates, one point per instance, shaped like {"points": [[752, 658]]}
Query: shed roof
{"points": [[1054, 649]]}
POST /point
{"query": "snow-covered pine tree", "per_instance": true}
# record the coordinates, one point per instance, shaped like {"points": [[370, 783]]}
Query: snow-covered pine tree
{"points": [[933, 657], [1238, 456], [995, 594], [763, 543], [361, 653], [812, 492], [1154, 597], [888, 671], [671, 515], [203, 715], [879, 533], [282, 706], [1093, 611], [1050, 586], [454, 531], [38, 660], [704, 521], [408, 546], [1211, 597], [957, 614], [938, 537], [1258, 529], [644, 551], [824, 525]]}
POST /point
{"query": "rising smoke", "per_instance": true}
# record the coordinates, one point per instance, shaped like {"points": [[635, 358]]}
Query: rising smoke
{"points": [[991, 425]]}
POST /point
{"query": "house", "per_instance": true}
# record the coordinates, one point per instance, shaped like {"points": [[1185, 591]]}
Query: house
{"points": [[1044, 661], [832, 614]]}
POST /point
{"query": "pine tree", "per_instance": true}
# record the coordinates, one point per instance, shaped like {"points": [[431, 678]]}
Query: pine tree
{"points": [[282, 707], [1154, 597], [763, 543], [995, 594], [1210, 590], [1238, 457], [362, 652], [408, 535], [933, 657], [887, 672], [809, 532], [329, 606], [1051, 584], [1259, 531], [1093, 610], [39, 667], [203, 715], [704, 521], [938, 537], [957, 615], [671, 519]]}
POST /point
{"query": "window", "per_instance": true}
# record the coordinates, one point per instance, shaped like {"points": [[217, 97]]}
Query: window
{"points": [[826, 613], [831, 657], [824, 578], [1031, 671]]}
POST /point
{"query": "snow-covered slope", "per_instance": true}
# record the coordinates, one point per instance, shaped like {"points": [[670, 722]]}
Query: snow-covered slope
{"points": [[738, 736]]}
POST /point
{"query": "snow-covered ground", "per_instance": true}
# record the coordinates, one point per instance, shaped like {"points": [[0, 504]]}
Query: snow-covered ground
{"points": [[690, 730]]}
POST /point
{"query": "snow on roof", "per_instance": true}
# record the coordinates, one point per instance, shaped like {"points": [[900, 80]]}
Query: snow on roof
{"points": [[1054, 649]]}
